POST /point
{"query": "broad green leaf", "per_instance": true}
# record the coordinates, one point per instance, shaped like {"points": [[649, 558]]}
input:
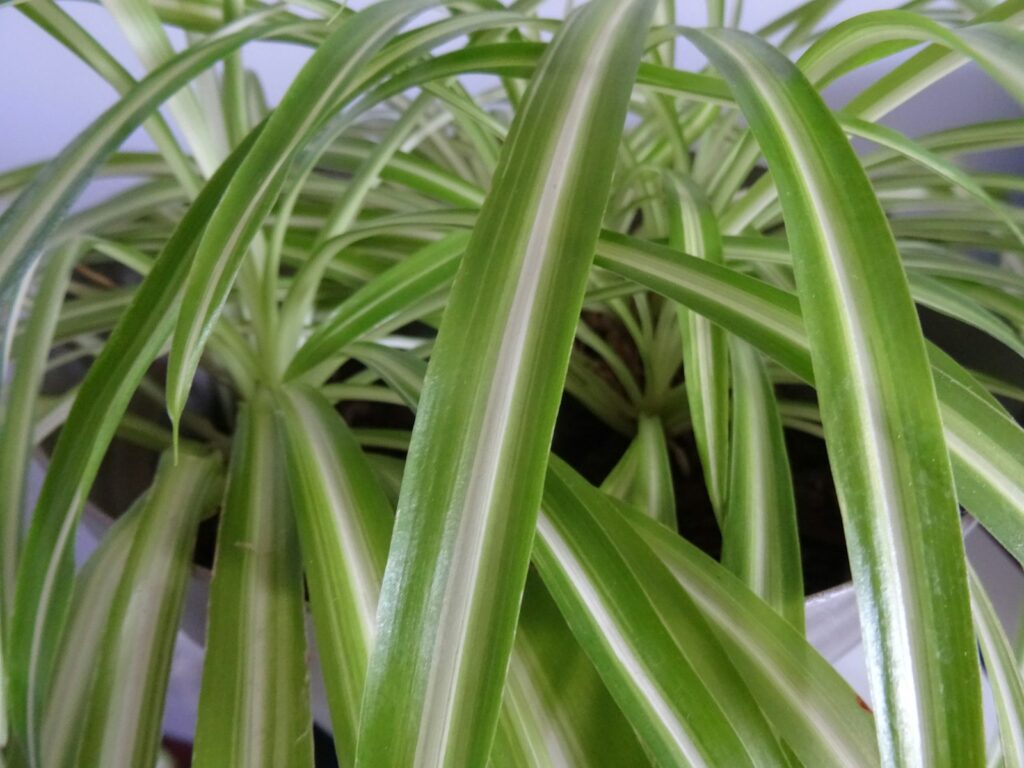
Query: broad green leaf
{"points": [[96, 586], [254, 700], [344, 523], [31, 353], [474, 479], [879, 411], [643, 476], [45, 573], [760, 542], [124, 714], [647, 639], [808, 702], [1003, 674], [694, 229], [321, 88]]}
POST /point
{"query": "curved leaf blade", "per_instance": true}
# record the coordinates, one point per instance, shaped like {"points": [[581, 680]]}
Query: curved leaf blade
{"points": [[344, 523], [879, 410], [461, 545], [694, 229], [124, 714], [647, 639], [45, 573], [760, 542]]}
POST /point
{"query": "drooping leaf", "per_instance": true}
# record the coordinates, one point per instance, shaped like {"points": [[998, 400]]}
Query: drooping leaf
{"points": [[45, 573], [879, 410], [465, 519], [651, 645]]}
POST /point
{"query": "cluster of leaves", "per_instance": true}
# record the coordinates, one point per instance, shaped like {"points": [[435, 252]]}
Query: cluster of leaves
{"points": [[386, 235]]}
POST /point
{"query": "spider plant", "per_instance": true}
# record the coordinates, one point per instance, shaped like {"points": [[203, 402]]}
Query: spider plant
{"points": [[395, 234]]}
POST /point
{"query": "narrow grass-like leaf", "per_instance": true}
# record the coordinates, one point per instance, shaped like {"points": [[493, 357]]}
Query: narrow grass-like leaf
{"points": [[556, 710], [986, 446], [45, 573], [254, 705], [879, 411], [525, 736], [811, 706], [769, 318], [96, 586], [643, 476], [38, 210], [987, 449], [317, 91], [381, 298], [466, 515], [694, 229], [759, 539], [124, 714], [344, 522], [141, 26], [57, 23], [400, 370], [647, 639], [32, 351], [1003, 674]]}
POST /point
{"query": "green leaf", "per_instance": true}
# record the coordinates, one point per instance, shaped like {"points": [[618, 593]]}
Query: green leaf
{"points": [[402, 371], [986, 446], [58, 24], [38, 210], [556, 709], [140, 24], [465, 521], [379, 300], [96, 587], [1003, 674], [45, 573], [987, 460], [694, 229], [807, 701], [760, 542], [124, 714], [31, 351], [344, 523], [987, 449], [649, 642], [321, 88], [643, 476], [254, 700], [879, 411]]}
